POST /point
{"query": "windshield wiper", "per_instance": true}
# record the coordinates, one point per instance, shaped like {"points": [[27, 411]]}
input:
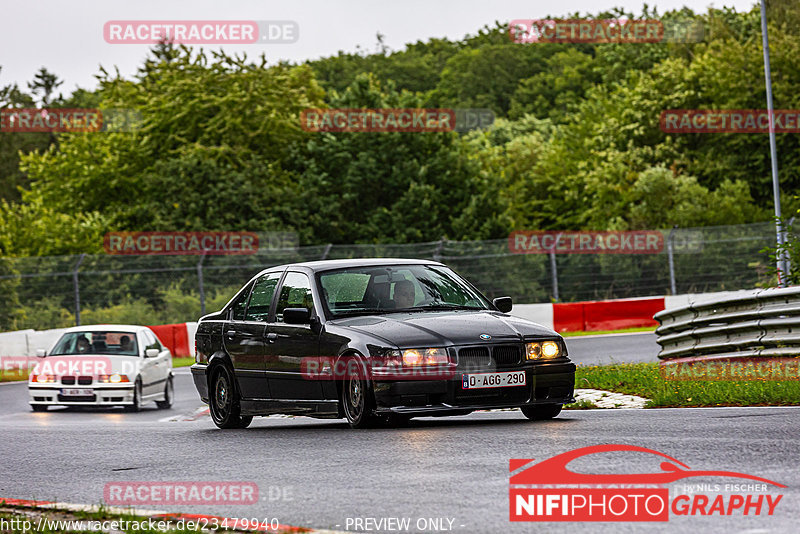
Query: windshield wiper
{"points": [[364, 311], [444, 306]]}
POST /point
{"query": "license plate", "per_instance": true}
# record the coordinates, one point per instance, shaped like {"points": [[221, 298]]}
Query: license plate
{"points": [[492, 380], [77, 392]]}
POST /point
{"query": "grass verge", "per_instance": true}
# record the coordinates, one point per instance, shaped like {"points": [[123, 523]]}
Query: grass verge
{"points": [[182, 362], [643, 379], [13, 375]]}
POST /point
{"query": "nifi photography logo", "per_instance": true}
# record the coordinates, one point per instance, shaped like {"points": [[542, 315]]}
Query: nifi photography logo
{"points": [[548, 491]]}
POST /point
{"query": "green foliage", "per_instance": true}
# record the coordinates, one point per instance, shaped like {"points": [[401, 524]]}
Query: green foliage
{"points": [[174, 306], [577, 143]]}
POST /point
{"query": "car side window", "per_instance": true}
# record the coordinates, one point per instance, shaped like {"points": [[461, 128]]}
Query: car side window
{"points": [[295, 293], [151, 341], [239, 305], [261, 297]]}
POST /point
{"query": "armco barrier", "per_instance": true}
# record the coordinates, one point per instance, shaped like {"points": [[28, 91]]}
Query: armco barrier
{"points": [[746, 324]]}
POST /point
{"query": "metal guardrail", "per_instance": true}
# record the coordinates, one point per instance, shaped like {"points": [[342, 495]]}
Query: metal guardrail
{"points": [[753, 323]]}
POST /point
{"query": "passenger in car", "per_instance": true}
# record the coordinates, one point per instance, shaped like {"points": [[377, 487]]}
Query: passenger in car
{"points": [[125, 344]]}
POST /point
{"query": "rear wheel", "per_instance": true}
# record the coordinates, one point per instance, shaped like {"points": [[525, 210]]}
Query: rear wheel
{"points": [[358, 402], [224, 401], [39, 407], [541, 411], [169, 391]]}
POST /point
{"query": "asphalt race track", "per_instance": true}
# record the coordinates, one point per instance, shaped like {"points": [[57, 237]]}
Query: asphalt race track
{"points": [[613, 348], [321, 474]]}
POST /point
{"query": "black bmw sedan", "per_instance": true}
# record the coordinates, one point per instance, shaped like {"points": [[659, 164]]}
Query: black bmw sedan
{"points": [[376, 341]]}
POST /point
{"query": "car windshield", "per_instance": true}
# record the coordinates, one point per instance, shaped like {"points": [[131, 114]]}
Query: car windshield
{"points": [[107, 343], [387, 289]]}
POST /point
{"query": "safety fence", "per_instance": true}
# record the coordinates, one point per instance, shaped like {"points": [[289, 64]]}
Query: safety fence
{"points": [[57, 291]]}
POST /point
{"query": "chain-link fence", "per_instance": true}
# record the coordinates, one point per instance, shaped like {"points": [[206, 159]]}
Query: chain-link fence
{"points": [[58, 291]]}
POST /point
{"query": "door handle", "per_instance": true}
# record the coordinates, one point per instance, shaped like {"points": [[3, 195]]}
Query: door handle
{"points": [[230, 333], [271, 337]]}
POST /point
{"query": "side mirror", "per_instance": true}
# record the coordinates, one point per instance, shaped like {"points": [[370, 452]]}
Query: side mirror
{"points": [[151, 353], [41, 353], [503, 304], [297, 316]]}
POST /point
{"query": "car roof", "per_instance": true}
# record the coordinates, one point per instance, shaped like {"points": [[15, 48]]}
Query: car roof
{"points": [[327, 265], [105, 328]]}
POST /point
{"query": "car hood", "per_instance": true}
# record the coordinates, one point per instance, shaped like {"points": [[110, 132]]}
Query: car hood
{"points": [[432, 329]]}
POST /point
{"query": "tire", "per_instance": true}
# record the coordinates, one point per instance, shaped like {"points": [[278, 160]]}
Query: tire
{"points": [[358, 402], [169, 393], [541, 412], [223, 400], [39, 407], [137, 397]]}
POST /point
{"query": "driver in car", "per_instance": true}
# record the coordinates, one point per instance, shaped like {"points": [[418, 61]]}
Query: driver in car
{"points": [[404, 294], [83, 345]]}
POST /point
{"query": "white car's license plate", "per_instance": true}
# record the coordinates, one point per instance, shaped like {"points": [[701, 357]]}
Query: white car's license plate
{"points": [[77, 392], [492, 380]]}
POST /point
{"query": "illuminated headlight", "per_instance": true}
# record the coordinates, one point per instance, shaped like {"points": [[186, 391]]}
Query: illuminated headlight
{"points": [[43, 378], [116, 378], [432, 356], [542, 350]]}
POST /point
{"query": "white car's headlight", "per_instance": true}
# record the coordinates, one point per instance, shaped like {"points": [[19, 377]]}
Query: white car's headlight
{"points": [[116, 378]]}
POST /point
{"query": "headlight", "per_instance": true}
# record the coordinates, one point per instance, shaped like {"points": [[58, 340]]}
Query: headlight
{"points": [[43, 378], [542, 350], [116, 378], [432, 356]]}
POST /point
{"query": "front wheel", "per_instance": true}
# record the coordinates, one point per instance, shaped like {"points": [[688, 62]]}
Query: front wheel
{"points": [[169, 392], [357, 400], [137, 397], [224, 400], [541, 411]]}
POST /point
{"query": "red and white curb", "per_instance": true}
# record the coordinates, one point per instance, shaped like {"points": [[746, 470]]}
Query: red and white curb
{"points": [[155, 515]]}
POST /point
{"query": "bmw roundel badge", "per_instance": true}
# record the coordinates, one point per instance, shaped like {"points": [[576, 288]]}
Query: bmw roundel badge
{"points": [[485, 336]]}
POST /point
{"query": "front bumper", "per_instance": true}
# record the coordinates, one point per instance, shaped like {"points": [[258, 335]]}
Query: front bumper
{"points": [[546, 383], [102, 395]]}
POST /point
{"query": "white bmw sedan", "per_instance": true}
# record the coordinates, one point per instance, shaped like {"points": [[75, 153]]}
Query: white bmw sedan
{"points": [[103, 365]]}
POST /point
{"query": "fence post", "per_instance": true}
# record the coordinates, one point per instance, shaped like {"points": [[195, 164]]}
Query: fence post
{"points": [[326, 251], [437, 256], [200, 284], [671, 259], [554, 272], [77, 289]]}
